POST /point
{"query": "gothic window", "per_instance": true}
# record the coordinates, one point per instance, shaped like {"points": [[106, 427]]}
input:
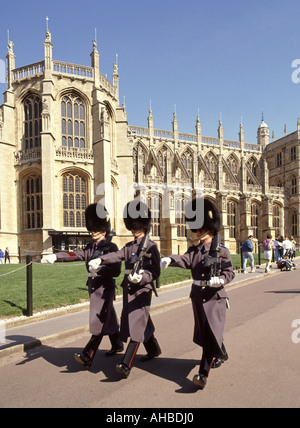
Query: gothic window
{"points": [[187, 160], [180, 217], [252, 166], [279, 159], [293, 153], [74, 199], [233, 166], [33, 218], [231, 218], [294, 223], [138, 157], [135, 165], [162, 160], [278, 183], [254, 220], [212, 165], [276, 219], [73, 122], [154, 203], [32, 122], [294, 185]]}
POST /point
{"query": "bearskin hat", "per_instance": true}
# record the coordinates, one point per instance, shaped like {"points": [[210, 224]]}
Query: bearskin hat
{"points": [[97, 218], [207, 215], [137, 215]]}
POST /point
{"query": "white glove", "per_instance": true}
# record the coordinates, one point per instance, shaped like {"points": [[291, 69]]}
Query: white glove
{"points": [[215, 282], [164, 263], [135, 278], [94, 272], [94, 265], [51, 258]]}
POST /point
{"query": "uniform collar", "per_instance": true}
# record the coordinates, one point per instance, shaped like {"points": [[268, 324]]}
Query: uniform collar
{"points": [[204, 248], [99, 244], [137, 241]]}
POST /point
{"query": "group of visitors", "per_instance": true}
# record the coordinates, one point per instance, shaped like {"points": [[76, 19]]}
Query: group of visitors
{"points": [[285, 252], [285, 249], [4, 256]]}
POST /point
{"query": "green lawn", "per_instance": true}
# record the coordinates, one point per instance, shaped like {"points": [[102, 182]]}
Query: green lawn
{"points": [[64, 284], [56, 285]]}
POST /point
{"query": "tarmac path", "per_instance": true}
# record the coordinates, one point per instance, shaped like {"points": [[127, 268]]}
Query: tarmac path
{"points": [[262, 337]]}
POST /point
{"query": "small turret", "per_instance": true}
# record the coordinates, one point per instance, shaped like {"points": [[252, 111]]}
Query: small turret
{"points": [[95, 57], [116, 79], [220, 134], [48, 47], [10, 64], [242, 137], [263, 134], [198, 129]]}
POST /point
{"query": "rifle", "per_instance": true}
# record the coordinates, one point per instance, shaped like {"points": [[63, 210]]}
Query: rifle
{"points": [[98, 253], [136, 260], [215, 253], [212, 260]]}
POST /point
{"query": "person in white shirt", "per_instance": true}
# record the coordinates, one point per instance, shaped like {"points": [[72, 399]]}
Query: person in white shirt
{"points": [[287, 246]]}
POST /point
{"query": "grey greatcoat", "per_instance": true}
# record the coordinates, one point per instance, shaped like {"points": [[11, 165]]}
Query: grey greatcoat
{"points": [[209, 304], [103, 317], [136, 322]]}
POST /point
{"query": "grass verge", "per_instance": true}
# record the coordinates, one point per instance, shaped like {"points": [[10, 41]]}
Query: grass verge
{"points": [[63, 284], [56, 285]]}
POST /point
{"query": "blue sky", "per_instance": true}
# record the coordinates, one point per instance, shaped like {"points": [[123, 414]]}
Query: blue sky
{"points": [[229, 57]]}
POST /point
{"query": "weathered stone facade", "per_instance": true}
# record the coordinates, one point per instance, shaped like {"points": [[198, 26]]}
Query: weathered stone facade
{"points": [[65, 142]]}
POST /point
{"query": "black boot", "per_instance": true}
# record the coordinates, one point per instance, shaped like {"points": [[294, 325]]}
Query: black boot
{"points": [[116, 345], [152, 348], [88, 354], [218, 361], [200, 380], [123, 370], [125, 367]]}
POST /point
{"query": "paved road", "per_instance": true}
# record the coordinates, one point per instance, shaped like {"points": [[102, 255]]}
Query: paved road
{"points": [[262, 371]]}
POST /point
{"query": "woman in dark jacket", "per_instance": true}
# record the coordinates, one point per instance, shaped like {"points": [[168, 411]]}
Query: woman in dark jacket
{"points": [[136, 322], [103, 317]]}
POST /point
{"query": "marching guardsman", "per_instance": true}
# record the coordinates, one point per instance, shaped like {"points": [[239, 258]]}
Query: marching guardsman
{"points": [[211, 269], [142, 264], [103, 317]]}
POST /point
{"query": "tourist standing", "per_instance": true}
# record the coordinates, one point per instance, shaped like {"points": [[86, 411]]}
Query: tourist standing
{"points": [[247, 249], [268, 247]]}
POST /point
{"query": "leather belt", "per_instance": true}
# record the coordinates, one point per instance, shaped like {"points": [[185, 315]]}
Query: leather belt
{"points": [[200, 283]]}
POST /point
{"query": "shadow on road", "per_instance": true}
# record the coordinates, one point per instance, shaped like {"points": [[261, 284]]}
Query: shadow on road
{"points": [[283, 291], [172, 369], [175, 370]]}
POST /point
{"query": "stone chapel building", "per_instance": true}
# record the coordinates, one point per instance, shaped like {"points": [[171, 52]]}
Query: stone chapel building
{"points": [[65, 143]]}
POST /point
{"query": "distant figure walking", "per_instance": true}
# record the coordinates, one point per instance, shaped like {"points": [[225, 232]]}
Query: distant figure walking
{"points": [[6, 255], [247, 249]]}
